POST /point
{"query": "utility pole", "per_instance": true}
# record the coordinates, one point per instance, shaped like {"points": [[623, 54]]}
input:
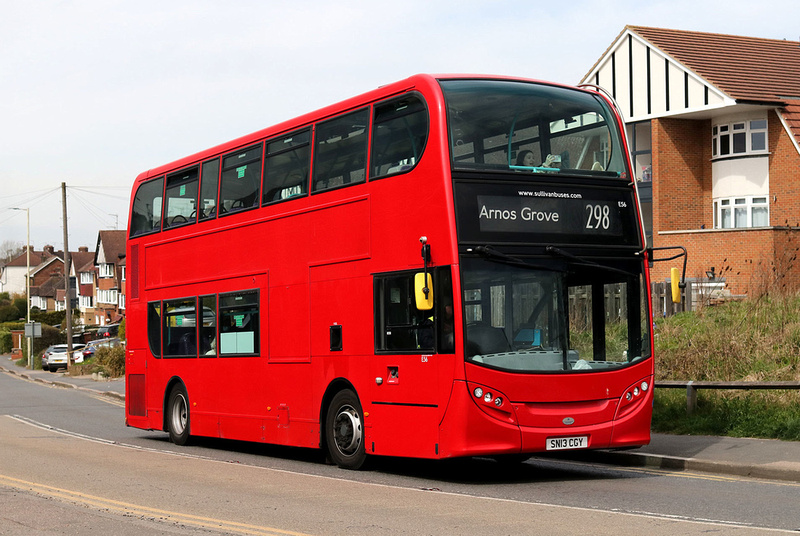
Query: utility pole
{"points": [[28, 283], [68, 298]]}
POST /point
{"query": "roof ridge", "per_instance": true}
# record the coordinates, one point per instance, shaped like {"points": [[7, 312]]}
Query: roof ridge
{"points": [[697, 32]]}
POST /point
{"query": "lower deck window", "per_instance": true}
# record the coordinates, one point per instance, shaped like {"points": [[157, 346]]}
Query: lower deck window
{"points": [[238, 326]]}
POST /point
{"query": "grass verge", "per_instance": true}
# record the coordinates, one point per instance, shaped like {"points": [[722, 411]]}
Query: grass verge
{"points": [[762, 414]]}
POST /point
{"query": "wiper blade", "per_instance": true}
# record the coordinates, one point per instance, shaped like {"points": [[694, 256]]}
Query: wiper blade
{"points": [[557, 252], [489, 253]]}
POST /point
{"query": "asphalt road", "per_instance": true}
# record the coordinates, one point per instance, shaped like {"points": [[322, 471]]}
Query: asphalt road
{"points": [[68, 465]]}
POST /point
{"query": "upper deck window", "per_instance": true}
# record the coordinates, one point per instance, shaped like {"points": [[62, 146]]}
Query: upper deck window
{"points": [[241, 180], [181, 206], [286, 167], [400, 130], [535, 128], [209, 183], [340, 151], [146, 214]]}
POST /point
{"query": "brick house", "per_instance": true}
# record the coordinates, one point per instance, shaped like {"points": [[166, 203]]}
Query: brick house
{"points": [[109, 260], [714, 127], [42, 263], [83, 271]]}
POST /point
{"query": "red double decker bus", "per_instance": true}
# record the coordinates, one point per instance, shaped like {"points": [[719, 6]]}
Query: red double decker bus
{"points": [[445, 266]]}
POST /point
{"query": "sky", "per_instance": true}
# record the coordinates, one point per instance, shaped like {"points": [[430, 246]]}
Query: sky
{"points": [[94, 92]]}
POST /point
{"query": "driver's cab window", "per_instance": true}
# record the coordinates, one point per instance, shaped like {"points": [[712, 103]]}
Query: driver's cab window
{"points": [[401, 327]]}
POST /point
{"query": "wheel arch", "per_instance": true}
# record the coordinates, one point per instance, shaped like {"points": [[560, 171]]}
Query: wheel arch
{"points": [[337, 385], [175, 380]]}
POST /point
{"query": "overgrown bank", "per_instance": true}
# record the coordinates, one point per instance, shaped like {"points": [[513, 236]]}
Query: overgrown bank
{"points": [[754, 340]]}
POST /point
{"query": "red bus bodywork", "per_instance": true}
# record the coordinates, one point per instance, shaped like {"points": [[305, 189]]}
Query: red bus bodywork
{"points": [[313, 262]]}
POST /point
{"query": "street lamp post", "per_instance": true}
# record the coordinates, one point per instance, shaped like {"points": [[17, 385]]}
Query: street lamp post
{"points": [[28, 281]]}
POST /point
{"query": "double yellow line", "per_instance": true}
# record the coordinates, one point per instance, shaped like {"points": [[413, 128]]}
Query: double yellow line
{"points": [[156, 514]]}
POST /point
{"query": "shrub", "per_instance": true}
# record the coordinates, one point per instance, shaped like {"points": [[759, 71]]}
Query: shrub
{"points": [[110, 361], [5, 342]]}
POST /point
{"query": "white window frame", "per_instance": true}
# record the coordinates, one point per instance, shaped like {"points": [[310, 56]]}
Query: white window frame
{"points": [[87, 278], [85, 302], [107, 296], [738, 212], [106, 270], [752, 128]]}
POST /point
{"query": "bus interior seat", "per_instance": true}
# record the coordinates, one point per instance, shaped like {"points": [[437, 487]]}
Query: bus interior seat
{"points": [[485, 339]]}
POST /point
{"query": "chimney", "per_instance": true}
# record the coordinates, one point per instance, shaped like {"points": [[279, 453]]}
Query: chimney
{"points": [[83, 249], [48, 249]]}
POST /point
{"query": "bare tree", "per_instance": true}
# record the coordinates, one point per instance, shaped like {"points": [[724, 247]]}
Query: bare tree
{"points": [[9, 250]]}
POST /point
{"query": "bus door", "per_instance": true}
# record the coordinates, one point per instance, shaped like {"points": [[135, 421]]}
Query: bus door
{"points": [[408, 396]]}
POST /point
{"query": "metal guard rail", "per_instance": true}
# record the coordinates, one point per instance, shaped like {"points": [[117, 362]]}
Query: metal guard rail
{"points": [[692, 387]]}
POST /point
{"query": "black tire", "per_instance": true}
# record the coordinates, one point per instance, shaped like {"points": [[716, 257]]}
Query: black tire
{"points": [[344, 431], [178, 424]]}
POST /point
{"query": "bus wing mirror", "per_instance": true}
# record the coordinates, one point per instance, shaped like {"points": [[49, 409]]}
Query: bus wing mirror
{"points": [[675, 281], [423, 291], [677, 278]]}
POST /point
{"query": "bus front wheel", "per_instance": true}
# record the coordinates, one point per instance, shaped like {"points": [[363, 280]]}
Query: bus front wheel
{"points": [[344, 431], [178, 415]]}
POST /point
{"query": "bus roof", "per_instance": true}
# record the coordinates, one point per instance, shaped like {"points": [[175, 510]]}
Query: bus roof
{"points": [[416, 81]]}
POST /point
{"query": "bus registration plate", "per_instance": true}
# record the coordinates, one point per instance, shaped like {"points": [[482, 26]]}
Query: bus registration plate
{"points": [[566, 443]]}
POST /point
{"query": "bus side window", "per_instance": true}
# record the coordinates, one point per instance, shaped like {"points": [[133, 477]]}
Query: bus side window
{"points": [[154, 327], [207, 326], [181, 198], [241, 180], [286, 167], [239, 326], [146, 214], [179, 338], [400, 131], [209, 183], [340, 151]]}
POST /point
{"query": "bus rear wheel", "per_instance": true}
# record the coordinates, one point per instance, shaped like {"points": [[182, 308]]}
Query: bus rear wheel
{"points": [[344, 431], [178, 415]]}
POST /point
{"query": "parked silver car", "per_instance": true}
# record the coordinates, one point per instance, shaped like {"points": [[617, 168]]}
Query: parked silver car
{"points": [[55, 357]]}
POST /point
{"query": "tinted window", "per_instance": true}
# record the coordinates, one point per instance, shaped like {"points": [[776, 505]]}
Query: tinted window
{"points": [[400, 130], [180, 328], [400, 325], [286, 167], [340, 152], [241, 179], [154, 327], [208, 189], [208, 327], [181, 206], [146, 215]]}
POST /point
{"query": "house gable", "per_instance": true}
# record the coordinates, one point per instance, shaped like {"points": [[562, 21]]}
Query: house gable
{"points": [[647, 82]]}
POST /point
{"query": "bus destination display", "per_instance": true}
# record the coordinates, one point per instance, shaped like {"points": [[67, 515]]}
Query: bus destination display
{"points": [[520, 215]]}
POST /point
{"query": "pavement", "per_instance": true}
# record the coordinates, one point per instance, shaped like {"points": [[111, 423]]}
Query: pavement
{"points": [[733, 456]]}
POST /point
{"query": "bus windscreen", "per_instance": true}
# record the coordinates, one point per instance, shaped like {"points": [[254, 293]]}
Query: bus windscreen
{"points": [[531, 128]]}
